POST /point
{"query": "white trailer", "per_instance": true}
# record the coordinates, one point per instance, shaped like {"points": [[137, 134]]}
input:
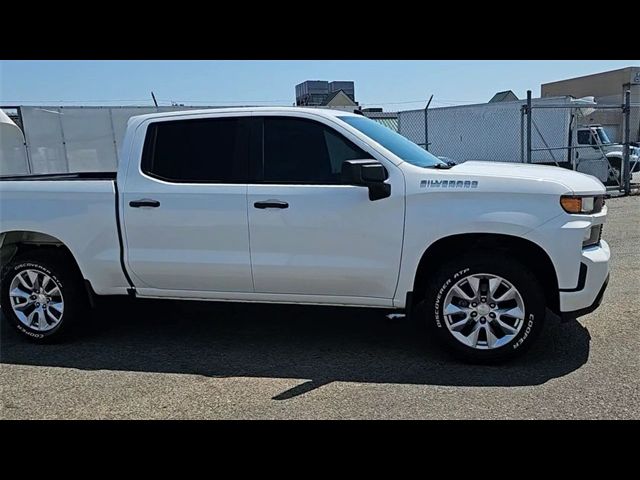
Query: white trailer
{"points": [[67, 139]]}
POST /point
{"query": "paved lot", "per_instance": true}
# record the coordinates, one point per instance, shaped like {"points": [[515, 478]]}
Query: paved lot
{"points": [[171, 360]]}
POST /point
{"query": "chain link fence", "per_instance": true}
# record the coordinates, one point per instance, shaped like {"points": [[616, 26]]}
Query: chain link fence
{"points": [[560, 131], [489, 132]]}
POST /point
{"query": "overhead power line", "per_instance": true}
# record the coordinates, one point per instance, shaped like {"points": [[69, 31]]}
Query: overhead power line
{"points": [[219, 102]]}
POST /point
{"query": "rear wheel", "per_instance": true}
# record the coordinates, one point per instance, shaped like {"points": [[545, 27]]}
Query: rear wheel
{"points": [[41, 294], [485, 309]]}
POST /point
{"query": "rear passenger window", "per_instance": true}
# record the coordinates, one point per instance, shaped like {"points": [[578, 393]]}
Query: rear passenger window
{"points": [[211, 150], [303, 151]]}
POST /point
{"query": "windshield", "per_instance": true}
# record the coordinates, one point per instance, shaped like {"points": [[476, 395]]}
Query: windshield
{"points": [[394, 142], [602, 135]]}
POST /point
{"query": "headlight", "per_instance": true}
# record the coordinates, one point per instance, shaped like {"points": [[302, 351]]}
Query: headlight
{"points": [[582, 205]]}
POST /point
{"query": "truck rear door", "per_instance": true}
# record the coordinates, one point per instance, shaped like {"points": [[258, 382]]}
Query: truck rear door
{"points": [[185, 208]]}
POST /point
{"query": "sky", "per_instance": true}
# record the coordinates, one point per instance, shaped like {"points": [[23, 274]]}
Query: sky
{"points": [[391, 84]]}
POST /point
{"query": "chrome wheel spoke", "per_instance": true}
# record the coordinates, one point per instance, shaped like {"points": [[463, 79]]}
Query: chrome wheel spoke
{"points": [[22, 278], [491, 338], [506, 328], [23, 306], [474, 283], [461, 293], [473, 336], [457, 326], [52, 318], [494, 283], [515, 312], [25, 298], [42, 319], [34, 279], [18, 292], [452, 309], [508, 295], [54, 292], [57, 306], [33, 317]]}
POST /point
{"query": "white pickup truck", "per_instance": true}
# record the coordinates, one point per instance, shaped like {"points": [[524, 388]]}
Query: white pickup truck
{"points": [[308, 206]]}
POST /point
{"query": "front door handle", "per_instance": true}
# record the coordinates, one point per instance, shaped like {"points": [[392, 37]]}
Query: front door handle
{"points": [[271, 204], [144, 202]]}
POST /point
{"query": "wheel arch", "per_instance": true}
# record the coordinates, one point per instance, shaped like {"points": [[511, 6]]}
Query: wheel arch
{"points": [[525, 251], [20, 241]]}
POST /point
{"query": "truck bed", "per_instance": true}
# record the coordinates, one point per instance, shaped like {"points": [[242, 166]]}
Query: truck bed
{"points": [[79, 210]]}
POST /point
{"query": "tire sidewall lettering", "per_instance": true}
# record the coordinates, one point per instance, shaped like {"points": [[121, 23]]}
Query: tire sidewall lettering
{"points": [[28, 332], [36, 266], [527, 331], [442, 293]]}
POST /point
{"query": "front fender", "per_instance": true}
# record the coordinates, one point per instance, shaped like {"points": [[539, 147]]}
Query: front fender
{"points": [[434, 216]]}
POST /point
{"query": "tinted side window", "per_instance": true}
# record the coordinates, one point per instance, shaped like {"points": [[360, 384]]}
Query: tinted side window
{"points": [[204, 151], [303, 151]]}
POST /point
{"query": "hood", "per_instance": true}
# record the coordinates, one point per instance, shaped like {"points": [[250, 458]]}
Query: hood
{"points": [[574, 182]]}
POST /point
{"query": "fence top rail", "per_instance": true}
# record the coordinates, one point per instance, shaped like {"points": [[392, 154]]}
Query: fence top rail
{"points": [[577, 105]]}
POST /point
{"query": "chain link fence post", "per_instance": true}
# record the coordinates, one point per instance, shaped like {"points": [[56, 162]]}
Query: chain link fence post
{"points": [[522, 114], [529, 126], [426, 124], [626, 170]]}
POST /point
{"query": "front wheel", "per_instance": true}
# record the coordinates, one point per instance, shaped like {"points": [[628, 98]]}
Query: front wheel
{"points": [[485, 309], [41, 295], [614, 169]]}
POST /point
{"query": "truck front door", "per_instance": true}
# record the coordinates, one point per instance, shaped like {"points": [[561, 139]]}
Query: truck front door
{"points": [[311, 235]]}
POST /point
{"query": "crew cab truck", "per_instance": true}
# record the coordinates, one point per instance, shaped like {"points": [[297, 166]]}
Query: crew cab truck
{"points": [[309, 206]]}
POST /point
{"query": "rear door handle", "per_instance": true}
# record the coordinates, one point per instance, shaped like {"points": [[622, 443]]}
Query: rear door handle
{"points": [[144, 202], [271, 204]]}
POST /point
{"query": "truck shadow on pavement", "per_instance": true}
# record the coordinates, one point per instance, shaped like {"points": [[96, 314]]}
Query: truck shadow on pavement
{"points": [[320, 344]]}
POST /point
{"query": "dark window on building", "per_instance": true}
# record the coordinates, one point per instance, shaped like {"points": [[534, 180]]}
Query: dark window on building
{"points": [[303, 151], [209, 150]]}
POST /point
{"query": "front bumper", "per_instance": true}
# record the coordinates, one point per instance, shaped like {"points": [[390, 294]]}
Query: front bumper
{"points": [[587, 310], [587, 296]]}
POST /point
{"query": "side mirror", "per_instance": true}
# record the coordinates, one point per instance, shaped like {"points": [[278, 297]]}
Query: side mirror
{"points": [[367, 173]]}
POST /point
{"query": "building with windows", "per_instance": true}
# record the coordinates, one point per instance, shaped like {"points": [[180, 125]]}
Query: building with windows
{"points": [[321, 93], [608, 89]]}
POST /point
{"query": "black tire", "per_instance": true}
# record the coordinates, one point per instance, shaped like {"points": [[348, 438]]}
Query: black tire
{"points": [[58, 267], [614, 169], [510, 270]]}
